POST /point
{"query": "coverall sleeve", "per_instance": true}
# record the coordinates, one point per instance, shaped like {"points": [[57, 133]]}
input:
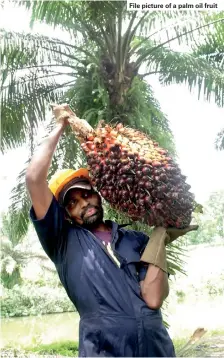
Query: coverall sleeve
{"points": [[143, 267], [51, 229]]}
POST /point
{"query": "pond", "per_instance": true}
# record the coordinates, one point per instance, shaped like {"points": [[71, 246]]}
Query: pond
{"points": [[39, 329]]}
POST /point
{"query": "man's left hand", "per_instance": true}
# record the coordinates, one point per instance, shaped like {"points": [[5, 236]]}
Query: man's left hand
{"points": [[173, 234]]}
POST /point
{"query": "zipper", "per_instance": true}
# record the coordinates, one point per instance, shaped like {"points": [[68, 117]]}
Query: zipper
{"points": [[104, 248], [110, 257]]}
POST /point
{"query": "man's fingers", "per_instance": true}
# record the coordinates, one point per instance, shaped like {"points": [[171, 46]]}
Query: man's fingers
{"points": [[189, 228], [182, 231], [175, 233], [193, 227]]}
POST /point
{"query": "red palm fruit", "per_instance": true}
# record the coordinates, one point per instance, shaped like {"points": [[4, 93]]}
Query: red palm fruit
{"points": [[163, 177], [124, 153], [141, 202], [157, 178], [91, 161], [126, 168], [112, 168], [115, 148], [129, 180], [141, 183], [136, 163], [154, 193], [138, 174], [119, 126], [121, 182], [107, 176], [91, 154], [142, 195], [155, 163], [114, 161], [96, 169], [104, 193], [148, 161], [85, 147], [159, 206], [90, 138], [113, 133], [148, 200], [146, 178], [123, 192], [162, 151], [146, 170], [115, 155], [148, 185]]}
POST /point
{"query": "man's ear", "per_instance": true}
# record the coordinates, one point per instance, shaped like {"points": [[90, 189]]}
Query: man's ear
{"points": [[68, 217]]}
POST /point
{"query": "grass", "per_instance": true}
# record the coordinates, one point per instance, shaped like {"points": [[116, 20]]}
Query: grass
{"points": [[65, 348], [216, 332], [179, 343], [70, 349], [211, 343]]}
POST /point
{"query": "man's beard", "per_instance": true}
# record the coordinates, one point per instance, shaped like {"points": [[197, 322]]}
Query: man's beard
{"points": [[94, 219]]}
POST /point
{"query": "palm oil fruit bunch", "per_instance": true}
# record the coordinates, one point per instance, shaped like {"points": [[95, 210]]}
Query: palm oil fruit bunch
{"points": [[137, 177]]}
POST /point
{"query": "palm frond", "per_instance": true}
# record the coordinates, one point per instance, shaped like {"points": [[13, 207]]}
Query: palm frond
{"points": [[18, 100], [178, 28], [177, 67], [219, 142], [29, 83], [14, 225], [147, 115], [212, 46]]}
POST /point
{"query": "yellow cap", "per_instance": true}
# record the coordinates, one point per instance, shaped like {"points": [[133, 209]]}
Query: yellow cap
{"points": [[63, 177]]}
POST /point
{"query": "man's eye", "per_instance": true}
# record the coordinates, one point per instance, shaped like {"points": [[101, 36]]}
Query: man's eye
{"points": [[72, 203]]}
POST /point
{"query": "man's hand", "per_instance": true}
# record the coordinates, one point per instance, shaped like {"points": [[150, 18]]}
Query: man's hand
{"points": [[62, 113], [173, 234], [155, 252]]}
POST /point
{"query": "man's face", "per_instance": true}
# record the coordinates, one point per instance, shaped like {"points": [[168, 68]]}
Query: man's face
{"points": [[84, 206]]}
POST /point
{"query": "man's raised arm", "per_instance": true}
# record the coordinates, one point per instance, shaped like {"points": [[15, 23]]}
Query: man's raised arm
{"points": [[36, 174]]}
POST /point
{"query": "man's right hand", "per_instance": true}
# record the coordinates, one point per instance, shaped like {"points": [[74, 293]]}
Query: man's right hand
{"points": [[62, 113]]}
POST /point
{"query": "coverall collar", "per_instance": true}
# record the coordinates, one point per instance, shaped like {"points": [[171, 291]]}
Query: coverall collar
{"points": [[115, 227]]}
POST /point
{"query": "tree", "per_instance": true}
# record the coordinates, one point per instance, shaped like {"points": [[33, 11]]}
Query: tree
{"points": [[101, 72], [14, 254]]}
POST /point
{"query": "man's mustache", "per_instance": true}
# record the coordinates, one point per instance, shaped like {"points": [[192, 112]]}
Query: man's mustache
{"points": [[87, 208]]}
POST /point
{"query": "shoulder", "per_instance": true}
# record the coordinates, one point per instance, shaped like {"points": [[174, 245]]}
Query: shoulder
{"points": [[134, 240], [134, 235]]}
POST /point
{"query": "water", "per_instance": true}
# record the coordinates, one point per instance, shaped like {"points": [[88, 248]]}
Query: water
{"points": [[35, 330]]}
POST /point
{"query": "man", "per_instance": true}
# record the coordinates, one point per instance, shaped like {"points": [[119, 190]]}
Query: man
{"points": [[117, 296]]}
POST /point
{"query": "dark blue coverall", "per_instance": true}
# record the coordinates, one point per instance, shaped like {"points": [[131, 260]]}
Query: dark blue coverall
{"points": [[114, 319]]}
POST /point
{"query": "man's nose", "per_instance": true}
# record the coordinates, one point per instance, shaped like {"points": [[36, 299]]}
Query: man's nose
{"points": [[83, 203]]}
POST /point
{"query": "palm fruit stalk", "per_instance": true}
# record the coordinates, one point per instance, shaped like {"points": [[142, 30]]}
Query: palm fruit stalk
{"points": [[134, 174]]}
